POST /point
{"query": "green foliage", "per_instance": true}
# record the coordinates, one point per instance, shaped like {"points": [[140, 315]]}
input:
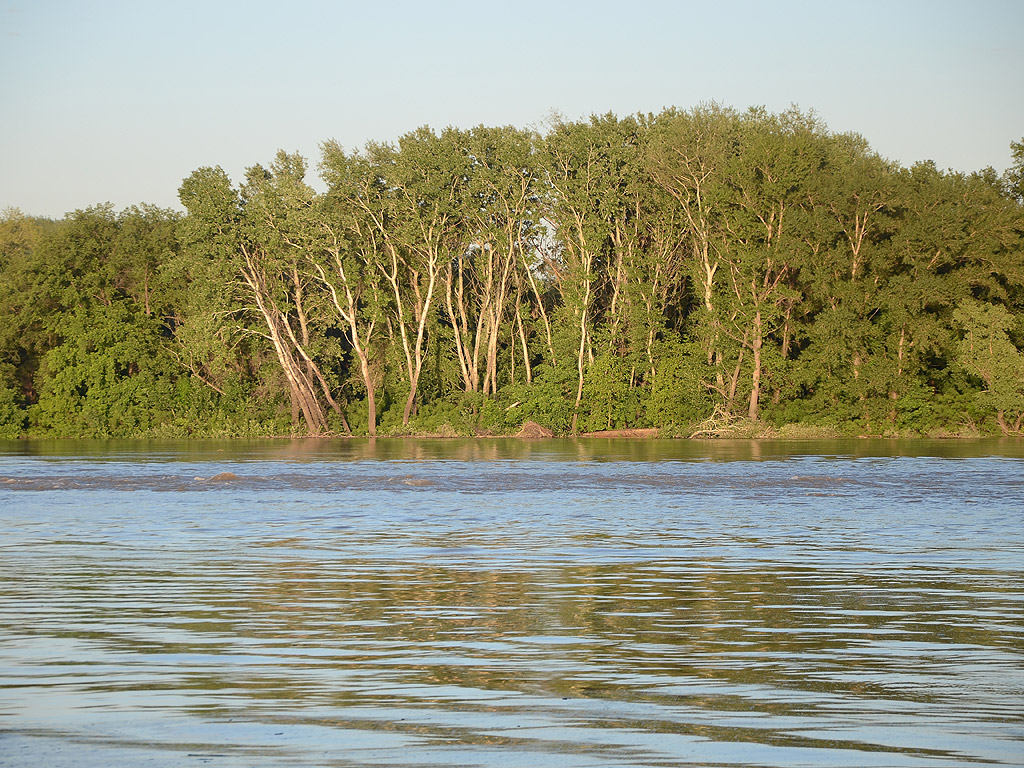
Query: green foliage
{"points": [[12, 415], [987, 352], [444, 418], [549, 401], [611, 403], [107, 378], [679, 394], [1015, 173], [708, 271]]}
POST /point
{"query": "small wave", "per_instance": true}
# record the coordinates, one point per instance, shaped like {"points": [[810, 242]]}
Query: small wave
{"points": [[821, 480], [220, 477]]}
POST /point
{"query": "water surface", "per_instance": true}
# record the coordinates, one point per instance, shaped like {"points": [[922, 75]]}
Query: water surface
{"points": [[512, 603]]}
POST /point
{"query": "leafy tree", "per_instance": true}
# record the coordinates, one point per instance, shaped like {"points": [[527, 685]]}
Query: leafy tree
{"points": [[414, 212], [986, 351], [692, 266], [852, 216], [1015, 173], [346, 258], [107, 377], [248, 228], [768, 179], [588, 166], [688, 157], [490, 256], [20, 334]]}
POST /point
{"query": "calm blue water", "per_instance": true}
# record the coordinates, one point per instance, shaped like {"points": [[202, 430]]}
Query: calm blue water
{"points": [[512, 603]]}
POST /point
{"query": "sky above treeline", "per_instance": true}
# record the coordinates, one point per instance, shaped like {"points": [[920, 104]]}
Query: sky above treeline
{"points": [[118, 101]]}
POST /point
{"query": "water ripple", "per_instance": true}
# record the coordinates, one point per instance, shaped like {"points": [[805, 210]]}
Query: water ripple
{"points": [[537, 610]]}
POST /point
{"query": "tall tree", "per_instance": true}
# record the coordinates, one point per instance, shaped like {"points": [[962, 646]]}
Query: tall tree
{"points": [[586, 165], [416, 223], [245, 227], [854, 203], [768, 178], [348, 260], [689, 156], [21, 334], [499, 205], [102, 369], [1015, 173], [986, 351]]}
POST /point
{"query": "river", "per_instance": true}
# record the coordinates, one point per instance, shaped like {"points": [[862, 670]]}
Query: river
{"points": [[592, 603]]}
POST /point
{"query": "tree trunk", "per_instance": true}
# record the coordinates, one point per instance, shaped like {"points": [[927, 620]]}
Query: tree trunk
{"points": [[301, 387], [753, 411], [526, 351], [581, 357], [894, 395], [1001, 421]]}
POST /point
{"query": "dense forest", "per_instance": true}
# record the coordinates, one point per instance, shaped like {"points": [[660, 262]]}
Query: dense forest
{"points": [[706, 272]]}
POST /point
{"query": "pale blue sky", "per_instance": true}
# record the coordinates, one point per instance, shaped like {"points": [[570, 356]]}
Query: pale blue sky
{"points": [[112, 100]]}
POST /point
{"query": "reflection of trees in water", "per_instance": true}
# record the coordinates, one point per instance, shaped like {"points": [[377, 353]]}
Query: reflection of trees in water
{"points": [[698, 642], [358, 629]]}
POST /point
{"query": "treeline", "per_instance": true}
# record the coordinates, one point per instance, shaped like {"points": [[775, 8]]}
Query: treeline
{"points": [[697, 271]]}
